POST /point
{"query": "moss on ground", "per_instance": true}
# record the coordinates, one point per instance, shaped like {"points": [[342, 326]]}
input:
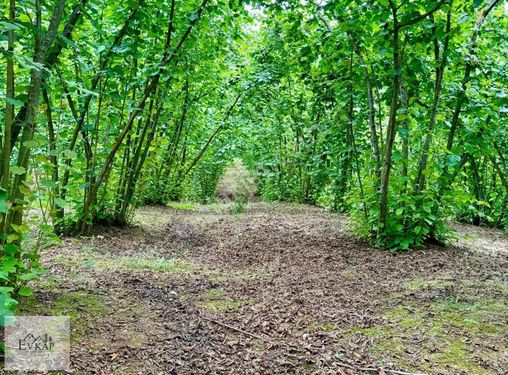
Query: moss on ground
{"points": [[174, 265], [214, 293], [138, 340], [71, 303], [417, 284], [140, 264], [216, 299], [50, 282], [329, 326], [450, 333], [81, 307]]}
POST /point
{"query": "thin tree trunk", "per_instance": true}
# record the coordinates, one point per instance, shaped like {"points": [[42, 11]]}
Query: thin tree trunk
{"points": [[352, 135], [41, 51], [405, 139], [422, 164], [150, 88], [461, 97], [392, 127], [57, 212], [9, 108], [80, 120], [392, 122], [212, 137], [372, 112], [50, 59]]}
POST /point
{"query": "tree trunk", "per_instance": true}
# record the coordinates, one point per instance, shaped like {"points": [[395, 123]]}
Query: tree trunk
{"points": [[392, 128], [422, 164], [41, 50], [461, 97], [9, 109]]}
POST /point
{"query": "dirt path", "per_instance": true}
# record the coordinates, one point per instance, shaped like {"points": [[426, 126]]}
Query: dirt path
{"points": [[489, 241], [277, 289]]}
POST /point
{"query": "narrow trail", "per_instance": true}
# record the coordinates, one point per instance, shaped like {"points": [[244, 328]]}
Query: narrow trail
{"points": [[279, 288]]}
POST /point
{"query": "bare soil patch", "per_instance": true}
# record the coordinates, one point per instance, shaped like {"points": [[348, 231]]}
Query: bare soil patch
{"points": [[278, 289]]}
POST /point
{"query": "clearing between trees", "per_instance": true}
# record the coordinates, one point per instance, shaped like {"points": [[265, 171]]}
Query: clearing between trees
{"points": [[374, 127], [280, 288]]}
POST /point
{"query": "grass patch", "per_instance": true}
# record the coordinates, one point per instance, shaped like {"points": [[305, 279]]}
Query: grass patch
{"points": [[137, 340], [86, 249], [127, 263], [81, 307], [414, 285], [329, 326], [214, 293], [449, 333], [351, 273], [446, 332], [73, 303], [49, 282], [455, 355], [386, 343], [142, 264], [67, 261], [184, 206], [240, 205], [215, 299]]}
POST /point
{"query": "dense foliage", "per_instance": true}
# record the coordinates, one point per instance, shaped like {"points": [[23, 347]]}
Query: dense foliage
{"points": [[394, 111]]}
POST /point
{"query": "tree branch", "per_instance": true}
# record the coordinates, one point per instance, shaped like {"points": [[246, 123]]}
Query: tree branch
{"points": [[421, 16]]}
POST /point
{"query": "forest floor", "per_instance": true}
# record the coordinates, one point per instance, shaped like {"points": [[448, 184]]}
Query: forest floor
{"points": [[279, 288]]}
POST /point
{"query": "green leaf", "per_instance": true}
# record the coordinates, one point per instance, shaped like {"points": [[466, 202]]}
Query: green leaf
{"points": [[463, 18], [121, 49], [477, 3], [12, 237], [60, 202], [4, 206], [69, 154], [31, 144], [25, 292], [32, 275], [48, 183], [11, 249], [45, 228], [18, 170], [14, 102], [21, 229], [11, 26]]}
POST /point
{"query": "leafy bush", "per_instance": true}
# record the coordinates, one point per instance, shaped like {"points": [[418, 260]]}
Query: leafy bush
{"points": [[240, 205]]}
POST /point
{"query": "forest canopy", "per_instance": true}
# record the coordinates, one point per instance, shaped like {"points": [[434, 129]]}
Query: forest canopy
{"points": [[393, 111]]}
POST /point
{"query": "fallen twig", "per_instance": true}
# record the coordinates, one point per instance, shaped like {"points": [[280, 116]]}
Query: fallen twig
{"points": [[380, 369], [345, 365]]}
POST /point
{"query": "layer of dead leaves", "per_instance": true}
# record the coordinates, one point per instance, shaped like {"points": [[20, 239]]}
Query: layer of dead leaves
{"points": [[298, 268]]}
